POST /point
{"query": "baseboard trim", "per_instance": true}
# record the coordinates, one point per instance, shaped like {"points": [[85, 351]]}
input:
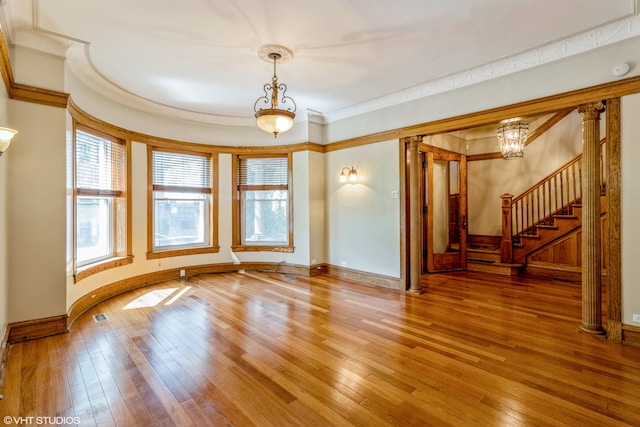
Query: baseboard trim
{"points": [[36, 328], [365, 277], [631, 335], [554, 271]]}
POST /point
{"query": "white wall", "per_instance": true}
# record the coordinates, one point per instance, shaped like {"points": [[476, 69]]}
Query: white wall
{"points": [[36, 213], [630, 227], [363, 220], [317, 214]]}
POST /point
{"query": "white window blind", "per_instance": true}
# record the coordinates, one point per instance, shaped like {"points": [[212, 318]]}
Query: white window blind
{"points": [[263, 171], [181, 172], [100, 165]]}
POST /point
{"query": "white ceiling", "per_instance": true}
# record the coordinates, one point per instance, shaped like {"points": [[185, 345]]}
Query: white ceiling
{"points": [[198, 58]]}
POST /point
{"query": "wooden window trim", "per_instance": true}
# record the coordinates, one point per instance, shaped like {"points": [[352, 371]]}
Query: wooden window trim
{"points": [[91, 269], [124, 252], [236, 215], [213, 246]]}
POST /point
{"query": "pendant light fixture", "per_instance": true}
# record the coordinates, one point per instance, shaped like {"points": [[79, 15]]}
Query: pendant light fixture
{"points": [[271, 117], [512, 136]]}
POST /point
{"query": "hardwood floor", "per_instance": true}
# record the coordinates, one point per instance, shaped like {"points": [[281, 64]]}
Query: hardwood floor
{"points": [[274, 350]]}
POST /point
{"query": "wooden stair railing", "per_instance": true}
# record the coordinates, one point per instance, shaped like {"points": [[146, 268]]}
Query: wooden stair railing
{"points": [[552, 196]]}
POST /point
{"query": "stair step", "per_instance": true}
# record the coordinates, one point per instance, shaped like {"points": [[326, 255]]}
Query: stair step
{"points": [[572, 217], [483, 255], [494, 267], [547, 227], [531, 236]]}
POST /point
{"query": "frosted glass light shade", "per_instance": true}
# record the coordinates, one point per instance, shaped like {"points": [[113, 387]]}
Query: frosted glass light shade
{"points": [[5, 138], [275, 120]]}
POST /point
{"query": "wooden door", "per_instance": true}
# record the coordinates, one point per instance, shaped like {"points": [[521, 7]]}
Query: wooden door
{"points": [[445, 212]]}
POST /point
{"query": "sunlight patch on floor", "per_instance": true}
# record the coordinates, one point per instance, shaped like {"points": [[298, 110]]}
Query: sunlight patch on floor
{"points": [[151, 298]]}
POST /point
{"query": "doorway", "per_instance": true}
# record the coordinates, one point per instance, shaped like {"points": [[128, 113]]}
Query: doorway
{"points": [[444, 219]]}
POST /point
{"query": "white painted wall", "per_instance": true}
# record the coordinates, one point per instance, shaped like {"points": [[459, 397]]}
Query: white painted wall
{"points": [[363, 220], [630, 227], [36, 212], [317, 212]]}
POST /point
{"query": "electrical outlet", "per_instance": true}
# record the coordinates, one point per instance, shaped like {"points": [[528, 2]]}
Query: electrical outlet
{"points": [[182, 273], [636, 317]]}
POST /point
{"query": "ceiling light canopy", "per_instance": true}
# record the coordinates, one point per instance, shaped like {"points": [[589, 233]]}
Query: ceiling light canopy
{"points": [[512, 136], [271, 118]]}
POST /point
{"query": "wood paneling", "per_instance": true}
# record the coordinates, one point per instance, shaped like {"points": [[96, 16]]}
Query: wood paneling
{"points": [[274, 350]]}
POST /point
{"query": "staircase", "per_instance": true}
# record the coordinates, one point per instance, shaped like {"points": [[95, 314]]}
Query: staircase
{"points": [[535, 221], [486, 258]]}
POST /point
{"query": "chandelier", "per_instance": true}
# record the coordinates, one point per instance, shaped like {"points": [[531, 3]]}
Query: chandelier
{"points": [[269, 116], [512, 136]]}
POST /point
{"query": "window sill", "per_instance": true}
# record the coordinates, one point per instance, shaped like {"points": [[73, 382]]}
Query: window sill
{"points": [[262, 248], [181, 252], [91, 269]]}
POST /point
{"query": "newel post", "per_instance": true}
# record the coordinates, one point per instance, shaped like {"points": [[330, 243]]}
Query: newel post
{"points": [[506, 244]]}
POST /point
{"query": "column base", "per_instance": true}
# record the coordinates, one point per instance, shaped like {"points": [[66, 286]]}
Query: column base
{"points": [[414, 291], [592, 330]]}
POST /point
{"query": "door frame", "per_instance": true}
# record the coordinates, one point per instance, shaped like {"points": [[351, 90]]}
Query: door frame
{"points": [[449, 261]]}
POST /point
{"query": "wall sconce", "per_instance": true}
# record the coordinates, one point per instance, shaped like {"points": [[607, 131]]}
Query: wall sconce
{"points": [[5, 138], [348, 174]]}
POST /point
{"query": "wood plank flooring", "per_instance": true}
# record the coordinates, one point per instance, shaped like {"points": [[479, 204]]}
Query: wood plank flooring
{"points": [[266, 349]]}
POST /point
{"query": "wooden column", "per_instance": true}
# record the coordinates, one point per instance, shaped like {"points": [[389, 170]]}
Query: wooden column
{"points": [[614, 262], [506, 244], [415, 215], [591, 258]]}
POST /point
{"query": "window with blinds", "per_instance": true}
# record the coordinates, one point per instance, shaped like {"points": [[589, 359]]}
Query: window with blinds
{"points": [[182, 190], [263, 202], [100, 205], [261, 172]]}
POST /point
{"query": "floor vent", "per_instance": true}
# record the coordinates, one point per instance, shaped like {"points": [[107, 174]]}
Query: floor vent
{"points": [[100, 317]]}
